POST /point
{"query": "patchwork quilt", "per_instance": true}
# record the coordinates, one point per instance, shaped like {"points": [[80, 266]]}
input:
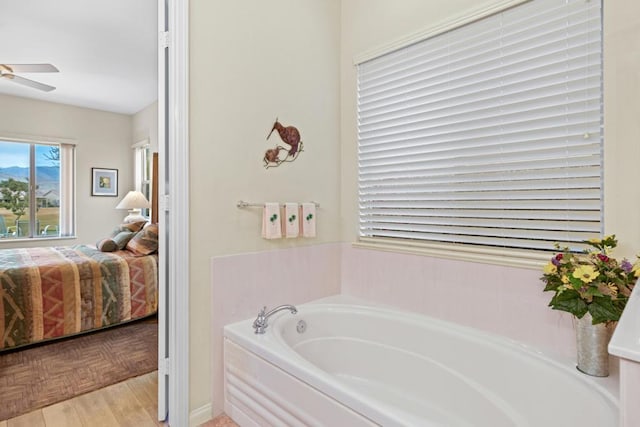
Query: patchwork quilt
{"points": [[52, 292]]}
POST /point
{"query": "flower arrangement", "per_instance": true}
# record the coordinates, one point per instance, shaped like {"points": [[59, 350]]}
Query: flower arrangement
{"points": [[592, 281]]}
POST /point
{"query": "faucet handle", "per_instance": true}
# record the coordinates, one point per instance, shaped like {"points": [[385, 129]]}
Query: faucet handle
{"points": [[261, 321]]}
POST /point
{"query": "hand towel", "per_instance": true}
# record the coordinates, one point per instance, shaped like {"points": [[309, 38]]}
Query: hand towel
{"points": [[292, 220], [308, 219], [271, 228]]}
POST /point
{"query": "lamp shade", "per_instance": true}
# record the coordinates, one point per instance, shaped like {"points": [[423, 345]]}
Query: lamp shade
{"points": [[134, 200]]}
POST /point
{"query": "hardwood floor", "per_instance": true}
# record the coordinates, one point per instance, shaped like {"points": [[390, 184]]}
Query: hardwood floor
{"points": [[132, 403], [129, 403]]}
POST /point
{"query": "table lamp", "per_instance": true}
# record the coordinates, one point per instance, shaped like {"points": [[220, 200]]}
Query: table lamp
{"points": [[134, 201]]}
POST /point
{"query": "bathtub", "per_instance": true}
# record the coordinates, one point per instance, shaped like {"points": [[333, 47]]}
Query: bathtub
{"points": [[345, 364]]}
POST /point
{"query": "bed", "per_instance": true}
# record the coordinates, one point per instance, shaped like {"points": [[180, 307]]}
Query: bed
{"points": [[53, 292]]}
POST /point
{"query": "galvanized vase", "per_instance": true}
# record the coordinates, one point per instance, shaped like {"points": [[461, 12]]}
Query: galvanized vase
{"points": [[592, 341]]}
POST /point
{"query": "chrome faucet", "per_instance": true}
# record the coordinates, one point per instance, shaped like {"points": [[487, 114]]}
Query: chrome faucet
{"points": [[260, 324]]}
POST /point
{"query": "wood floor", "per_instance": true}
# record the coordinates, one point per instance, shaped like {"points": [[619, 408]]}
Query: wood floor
{"points": [[132, 403]]}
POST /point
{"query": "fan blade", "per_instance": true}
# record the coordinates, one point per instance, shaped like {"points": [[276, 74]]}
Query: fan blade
{"points": [[32, 68], [27, 82]]}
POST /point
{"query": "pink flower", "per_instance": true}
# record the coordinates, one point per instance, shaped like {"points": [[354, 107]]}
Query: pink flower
{"points": [[603, 257], [556, 260]]}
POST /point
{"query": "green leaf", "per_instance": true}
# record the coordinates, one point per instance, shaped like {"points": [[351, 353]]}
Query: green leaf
{"points": [[553, 282], [575, 282], [571, 302], [551, 286], [593, 291], [602, 310]]}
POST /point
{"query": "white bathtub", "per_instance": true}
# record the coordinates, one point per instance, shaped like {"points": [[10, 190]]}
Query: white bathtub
{"points": [[362, 365]]}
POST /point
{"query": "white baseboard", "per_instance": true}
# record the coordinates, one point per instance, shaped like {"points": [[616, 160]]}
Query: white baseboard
{"points": [[201, 415]]}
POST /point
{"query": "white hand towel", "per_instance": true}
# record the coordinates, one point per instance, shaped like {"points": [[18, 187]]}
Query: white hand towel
{"points": [[292, 220], [308, 219], [271, 228]]}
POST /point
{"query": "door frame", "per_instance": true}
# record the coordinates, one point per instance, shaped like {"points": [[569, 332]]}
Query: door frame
{"points": [[174, 190]]}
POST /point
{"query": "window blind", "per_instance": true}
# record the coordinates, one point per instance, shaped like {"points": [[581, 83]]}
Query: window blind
{"points": [[488, 134]]}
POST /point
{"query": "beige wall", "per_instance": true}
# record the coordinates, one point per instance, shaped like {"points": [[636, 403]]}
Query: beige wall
{"points": [[102, 140], [144, 125], [250, 62], [622, 122]]}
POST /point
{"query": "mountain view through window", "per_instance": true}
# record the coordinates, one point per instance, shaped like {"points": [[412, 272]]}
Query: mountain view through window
{"points": [[29, 190]]}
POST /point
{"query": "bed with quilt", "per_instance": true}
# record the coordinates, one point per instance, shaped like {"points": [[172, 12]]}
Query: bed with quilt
{"points": [[53, 292]]}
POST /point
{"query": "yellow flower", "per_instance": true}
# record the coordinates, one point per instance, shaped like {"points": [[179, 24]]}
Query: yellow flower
{"points": [[586, 273], [550, 268], [595, 241], [565, 279], [636, 272]]}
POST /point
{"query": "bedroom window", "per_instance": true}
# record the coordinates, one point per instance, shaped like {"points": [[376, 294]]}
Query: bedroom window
{"points": [[488, 135], [142, 170], [36, 190]]}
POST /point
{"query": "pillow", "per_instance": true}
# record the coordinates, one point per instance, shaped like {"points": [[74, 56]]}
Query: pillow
{"points": [[144, 242], [107, 245], [122, 238]]}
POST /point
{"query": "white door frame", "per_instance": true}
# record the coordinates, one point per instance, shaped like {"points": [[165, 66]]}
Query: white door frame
{"points": [[174, 198]]}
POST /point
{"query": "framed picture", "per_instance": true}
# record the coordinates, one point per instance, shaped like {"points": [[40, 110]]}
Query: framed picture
{"points": [[104, 182]]}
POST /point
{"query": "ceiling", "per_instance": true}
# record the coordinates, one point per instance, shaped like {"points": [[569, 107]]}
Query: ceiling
{"points": [[106, 51]]}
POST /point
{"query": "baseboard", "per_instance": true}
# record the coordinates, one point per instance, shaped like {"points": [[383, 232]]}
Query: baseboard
{"points": [[201, 415]]}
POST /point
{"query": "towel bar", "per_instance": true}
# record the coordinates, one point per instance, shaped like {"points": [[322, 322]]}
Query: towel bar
{"points": [[242, 204]]}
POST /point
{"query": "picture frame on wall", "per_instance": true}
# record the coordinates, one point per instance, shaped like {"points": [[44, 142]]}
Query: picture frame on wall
{"points": [[104, 182]]}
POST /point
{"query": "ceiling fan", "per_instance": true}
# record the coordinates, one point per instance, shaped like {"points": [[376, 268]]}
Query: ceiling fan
{"points": [[8, 71]]}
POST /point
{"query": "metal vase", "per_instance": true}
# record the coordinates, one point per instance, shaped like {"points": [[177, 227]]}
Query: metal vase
{"points": [[592, 341]]}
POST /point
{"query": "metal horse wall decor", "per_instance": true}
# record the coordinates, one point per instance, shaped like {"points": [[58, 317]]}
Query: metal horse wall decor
{"points": [[291, 137]]}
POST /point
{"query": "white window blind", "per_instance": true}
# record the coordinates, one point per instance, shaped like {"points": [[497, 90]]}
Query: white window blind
{"points": [[489, 134]]}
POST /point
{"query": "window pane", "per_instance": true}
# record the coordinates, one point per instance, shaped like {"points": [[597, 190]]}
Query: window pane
{"points": [[47, 190], [14, 189]]}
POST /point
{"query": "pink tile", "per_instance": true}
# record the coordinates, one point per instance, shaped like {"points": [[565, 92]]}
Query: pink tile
{"points": [[503, 300], [242, 284]]}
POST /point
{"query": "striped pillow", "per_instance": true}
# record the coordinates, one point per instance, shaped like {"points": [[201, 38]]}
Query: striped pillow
{"points": [[122, 238], [144, 242]]}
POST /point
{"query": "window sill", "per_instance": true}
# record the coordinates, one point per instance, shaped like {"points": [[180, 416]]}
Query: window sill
{"points": [[36, 239], [519, 258]]}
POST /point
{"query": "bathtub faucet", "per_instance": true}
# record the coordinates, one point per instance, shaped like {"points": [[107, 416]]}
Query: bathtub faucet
{"points": [[260, 324]]}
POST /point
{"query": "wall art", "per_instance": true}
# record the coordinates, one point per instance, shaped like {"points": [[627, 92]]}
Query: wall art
{"points": [[290, 135]]}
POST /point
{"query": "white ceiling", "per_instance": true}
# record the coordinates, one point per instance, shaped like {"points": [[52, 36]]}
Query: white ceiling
{"points": [[106, 51]]}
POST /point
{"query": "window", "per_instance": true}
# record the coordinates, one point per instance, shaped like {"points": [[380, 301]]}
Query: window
{"points": [[489, 134], [36, 190], [142, 170]]}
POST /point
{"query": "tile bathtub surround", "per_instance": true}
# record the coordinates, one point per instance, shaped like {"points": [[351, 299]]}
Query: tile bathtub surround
{"points": [[242, 284], [503, 300]]}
